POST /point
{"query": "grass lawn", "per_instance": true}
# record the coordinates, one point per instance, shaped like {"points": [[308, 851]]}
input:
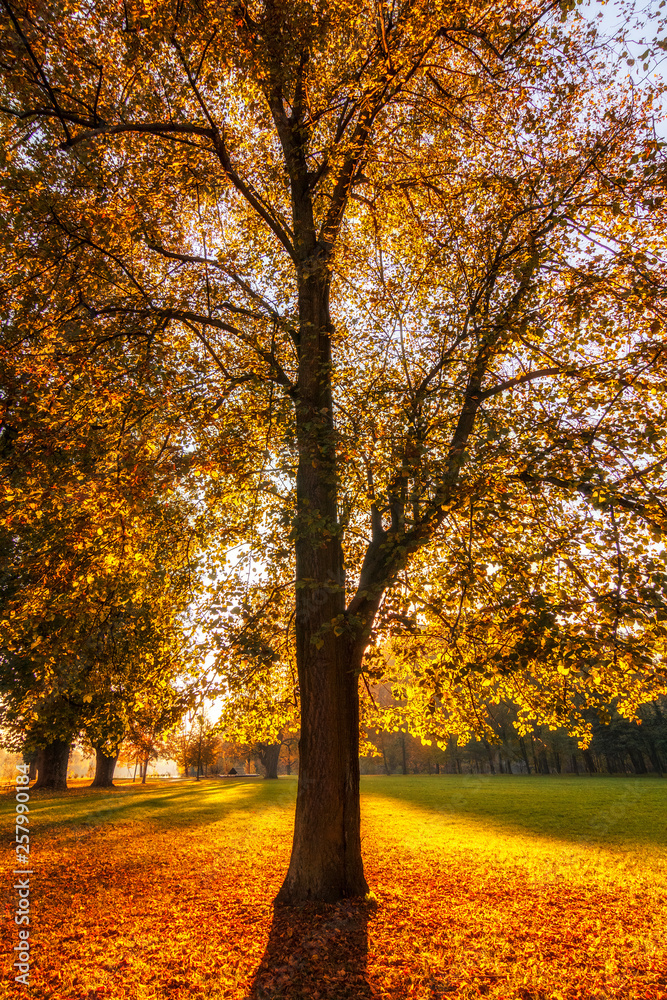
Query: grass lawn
{"points": [[515, 888]]}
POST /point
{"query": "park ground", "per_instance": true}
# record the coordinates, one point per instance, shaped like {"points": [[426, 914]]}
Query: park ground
{"points": [[507, 887]]}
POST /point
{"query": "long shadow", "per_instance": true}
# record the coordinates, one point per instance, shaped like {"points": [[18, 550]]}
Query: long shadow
{"points": [[316, 950]]}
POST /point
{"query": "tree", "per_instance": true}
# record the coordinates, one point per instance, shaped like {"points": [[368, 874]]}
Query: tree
{"points": [[204, 743], [153, 719], [101, 532], [414, 252]]}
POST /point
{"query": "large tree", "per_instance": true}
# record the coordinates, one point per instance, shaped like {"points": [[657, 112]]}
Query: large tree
{"points": [[412, 249]]}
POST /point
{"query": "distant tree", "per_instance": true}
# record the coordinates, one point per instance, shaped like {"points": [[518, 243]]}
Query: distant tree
{"points": [[155, 715]]}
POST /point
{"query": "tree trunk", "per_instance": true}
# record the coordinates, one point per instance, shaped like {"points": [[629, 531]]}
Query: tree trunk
{"points": [[268, 755], [326, 863], [575, 767], [589, 762], [405, 762], [52, 766], [105, 765], [535, 762], [656, 761], [524, 753], [489, 754], [144, 771], [384, 760]]}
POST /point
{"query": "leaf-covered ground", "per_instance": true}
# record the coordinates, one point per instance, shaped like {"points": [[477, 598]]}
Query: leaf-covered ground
{"points": [[548, 889]]}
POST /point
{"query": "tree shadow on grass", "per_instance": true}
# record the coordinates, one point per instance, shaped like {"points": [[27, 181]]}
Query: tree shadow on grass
{"points": [[316, 951]]}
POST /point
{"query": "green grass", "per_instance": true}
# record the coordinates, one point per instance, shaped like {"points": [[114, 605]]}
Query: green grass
{"points": [[612, 810], [602, 830], [619, 810]]}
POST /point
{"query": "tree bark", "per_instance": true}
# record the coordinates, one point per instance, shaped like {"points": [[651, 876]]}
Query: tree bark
{"points": [[105, 765], [52, 766], [268, 754], [326, 862]]}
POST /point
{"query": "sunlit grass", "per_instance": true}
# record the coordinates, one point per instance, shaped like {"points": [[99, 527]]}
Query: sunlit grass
{"points": [[514, 888], [560, 827]]}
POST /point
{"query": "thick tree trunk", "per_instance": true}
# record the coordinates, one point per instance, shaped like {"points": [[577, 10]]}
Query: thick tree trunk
{"points": [[326, 862], [268, 755], [52, 766], [105, 765]]}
